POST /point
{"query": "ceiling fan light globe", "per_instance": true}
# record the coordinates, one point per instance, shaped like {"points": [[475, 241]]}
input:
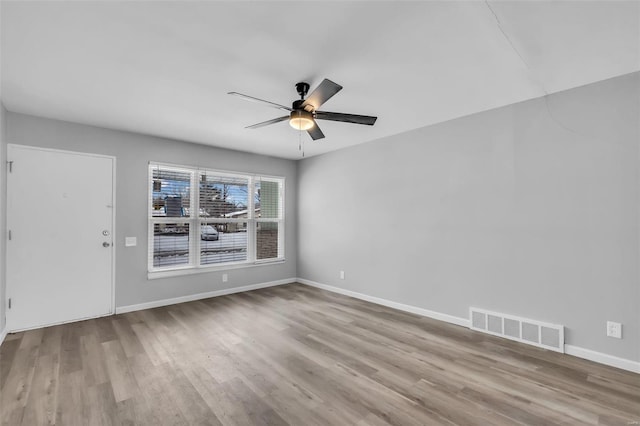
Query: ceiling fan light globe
{"points": [[301, 120]]}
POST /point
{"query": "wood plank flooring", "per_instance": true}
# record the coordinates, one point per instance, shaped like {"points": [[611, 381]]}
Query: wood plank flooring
{"points": [[295, 355]]}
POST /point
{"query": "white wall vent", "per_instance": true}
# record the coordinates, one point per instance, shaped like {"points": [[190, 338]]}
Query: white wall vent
{"points": [[532, 332]]}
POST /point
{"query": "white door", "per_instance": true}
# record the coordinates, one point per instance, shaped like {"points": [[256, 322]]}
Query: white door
{"points": [[60, 252]]}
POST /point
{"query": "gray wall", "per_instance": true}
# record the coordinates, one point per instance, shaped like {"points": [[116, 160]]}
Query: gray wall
{"points": [[530, 209], [133, 152], [3, 227]]}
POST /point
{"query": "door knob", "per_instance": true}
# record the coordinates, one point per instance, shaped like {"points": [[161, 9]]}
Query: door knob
{"points": [[105, 244]]}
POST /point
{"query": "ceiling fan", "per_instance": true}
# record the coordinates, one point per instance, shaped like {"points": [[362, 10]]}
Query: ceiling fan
{"points": [[304, 112]]}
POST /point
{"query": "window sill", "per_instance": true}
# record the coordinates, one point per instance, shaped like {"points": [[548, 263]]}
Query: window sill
{"points": [[153, 275]]}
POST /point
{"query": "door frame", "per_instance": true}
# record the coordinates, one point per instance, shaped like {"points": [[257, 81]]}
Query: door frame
{"points": [[8, 325]]}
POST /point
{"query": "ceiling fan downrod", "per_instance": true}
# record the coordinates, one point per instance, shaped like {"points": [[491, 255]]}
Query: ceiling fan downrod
{"points": [[303, 89]]}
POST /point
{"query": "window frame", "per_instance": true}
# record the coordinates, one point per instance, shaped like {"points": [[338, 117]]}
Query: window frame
{"points": [[195, 222]]}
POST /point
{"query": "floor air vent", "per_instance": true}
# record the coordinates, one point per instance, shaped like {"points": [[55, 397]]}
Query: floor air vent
{"points": [[532, 332]]}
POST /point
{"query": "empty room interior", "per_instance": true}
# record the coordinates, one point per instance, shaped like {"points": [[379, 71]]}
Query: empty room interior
{"points": [[320, 213]]}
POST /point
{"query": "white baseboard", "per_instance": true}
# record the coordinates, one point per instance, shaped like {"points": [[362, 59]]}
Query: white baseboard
{"points": [[464, 322], [198, 296], [3, 334], [602, 358], [577, 351], [35, 327]]}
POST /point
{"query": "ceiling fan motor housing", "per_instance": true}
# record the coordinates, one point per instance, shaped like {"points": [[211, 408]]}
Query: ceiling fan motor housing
{"points": [[298, 104]]}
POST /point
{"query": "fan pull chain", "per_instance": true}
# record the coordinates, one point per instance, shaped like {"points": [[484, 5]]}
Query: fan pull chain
{"points": [[300, 143]]}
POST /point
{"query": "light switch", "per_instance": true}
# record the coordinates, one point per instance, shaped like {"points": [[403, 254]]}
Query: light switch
{"points": [[130, 241]]}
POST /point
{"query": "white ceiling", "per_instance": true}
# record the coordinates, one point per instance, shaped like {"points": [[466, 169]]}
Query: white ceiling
{"points": [[164, 68]]}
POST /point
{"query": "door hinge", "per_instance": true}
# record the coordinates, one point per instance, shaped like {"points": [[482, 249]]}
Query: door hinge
{"points": [[9, 303], [9, 232], [10, 164]]}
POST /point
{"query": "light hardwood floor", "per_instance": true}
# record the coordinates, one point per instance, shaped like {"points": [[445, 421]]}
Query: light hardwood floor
{"points": [[295, 355]]}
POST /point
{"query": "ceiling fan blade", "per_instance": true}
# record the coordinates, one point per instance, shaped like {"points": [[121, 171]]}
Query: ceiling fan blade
{"points": [[315, 132], [347, 118], [252, 99], [266, 123], [322, 94]]}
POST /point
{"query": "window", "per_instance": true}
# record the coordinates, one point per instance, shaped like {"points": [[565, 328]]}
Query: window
{"points": [[205, 218]]}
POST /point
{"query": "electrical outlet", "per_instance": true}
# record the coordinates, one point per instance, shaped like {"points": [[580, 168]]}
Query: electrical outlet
{"points": [[614, 329], [225, 278], [342, 275]]}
